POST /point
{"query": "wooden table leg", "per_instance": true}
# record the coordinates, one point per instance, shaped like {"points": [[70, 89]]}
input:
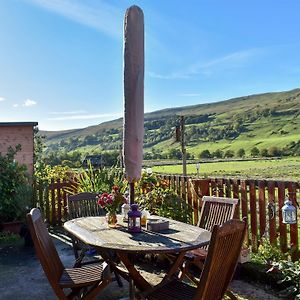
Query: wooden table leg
{"points": [[141, 283], [114, 266], [175, 266]]}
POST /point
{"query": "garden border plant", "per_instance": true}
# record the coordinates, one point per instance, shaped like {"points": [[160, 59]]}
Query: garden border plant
{"points": [[153, 194], [15, 186], [270, 266]]}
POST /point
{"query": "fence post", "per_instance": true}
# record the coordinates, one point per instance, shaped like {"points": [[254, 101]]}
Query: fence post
{"points": [[272, 213], [293, 227], [53, 206], [244, 207], [262, 207], [282, 227], [253, 218], [235, 190]]}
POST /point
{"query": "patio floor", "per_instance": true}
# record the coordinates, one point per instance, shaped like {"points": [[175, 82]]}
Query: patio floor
{"points": [[21, 276]]}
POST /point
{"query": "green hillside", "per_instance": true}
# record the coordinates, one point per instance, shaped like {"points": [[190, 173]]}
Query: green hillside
{"points": [[262, 121]]}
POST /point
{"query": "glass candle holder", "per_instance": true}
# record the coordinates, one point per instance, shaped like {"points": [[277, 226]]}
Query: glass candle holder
{"points": [[134, 219], [125, 210]]}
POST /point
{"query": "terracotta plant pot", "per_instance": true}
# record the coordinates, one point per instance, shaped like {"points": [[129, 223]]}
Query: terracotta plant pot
{"points": [[12, 227]]}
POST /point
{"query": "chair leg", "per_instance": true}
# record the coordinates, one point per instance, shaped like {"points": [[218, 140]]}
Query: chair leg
{"points": [[91, 294], [79, 258], [118, 279], [184, 272], [75, 247], [131, 290]]}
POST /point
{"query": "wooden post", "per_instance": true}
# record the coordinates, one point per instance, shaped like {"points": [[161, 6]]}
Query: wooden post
{"points": [[183, 149], [293, 227], [131, 193], [59, 200], [272, 213], [253, 215], [282, 227], [262, 208]]}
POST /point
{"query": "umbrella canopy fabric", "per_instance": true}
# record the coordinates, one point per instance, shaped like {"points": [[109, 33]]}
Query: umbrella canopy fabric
{"points": [[133, 129]]}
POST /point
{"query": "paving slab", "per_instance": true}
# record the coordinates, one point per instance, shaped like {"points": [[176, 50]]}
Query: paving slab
{"points": [[22, 277]]}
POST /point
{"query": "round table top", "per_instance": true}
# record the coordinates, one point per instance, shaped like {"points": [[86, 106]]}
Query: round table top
{"points": [[179, 237]]}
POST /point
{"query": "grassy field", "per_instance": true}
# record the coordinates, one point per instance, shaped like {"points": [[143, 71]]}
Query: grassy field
{"points": [[283, 169]]}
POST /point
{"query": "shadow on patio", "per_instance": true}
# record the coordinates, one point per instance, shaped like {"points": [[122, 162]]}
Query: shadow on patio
{"points": [[21, 275]]}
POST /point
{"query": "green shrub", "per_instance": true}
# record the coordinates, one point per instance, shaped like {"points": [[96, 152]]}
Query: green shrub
{"points": [[268, 254], [15, 187], [48, 172], [153, 194], [6, 237], [291, 277], [280, 264], [97, 181]]}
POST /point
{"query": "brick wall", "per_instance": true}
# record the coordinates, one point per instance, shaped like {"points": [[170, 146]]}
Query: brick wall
{"points": [[13, 135]]}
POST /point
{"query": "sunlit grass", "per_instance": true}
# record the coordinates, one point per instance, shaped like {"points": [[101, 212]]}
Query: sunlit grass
{"points": [[284, 169]]}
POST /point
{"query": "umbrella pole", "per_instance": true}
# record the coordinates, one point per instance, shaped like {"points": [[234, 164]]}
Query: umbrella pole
{"points": [[131, 193]]}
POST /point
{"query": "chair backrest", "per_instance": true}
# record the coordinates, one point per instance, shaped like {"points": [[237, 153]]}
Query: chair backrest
{"points": [[216, 211], [84, 205], [45, 249], [223, 252]]}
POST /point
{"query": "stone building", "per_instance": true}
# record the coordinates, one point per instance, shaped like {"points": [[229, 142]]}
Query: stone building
{"points": [[14, 133]]}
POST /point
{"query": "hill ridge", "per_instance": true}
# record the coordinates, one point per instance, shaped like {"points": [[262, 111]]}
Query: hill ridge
{"points": [[256, 117]]}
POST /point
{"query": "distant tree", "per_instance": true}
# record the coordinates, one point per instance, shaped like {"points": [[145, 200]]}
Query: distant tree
{"points": [[254, 152], [241, 152], [110, 158], [189, 155], [174, 154], [229, 154], [264, 152], [293, 148], [218, 154], [274, 151], [205, 154]]}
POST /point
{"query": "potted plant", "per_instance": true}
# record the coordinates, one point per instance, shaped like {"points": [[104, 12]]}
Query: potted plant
{"points": [[16, 191]]}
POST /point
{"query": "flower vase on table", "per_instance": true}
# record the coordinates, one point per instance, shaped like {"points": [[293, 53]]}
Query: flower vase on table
{"points": [[111, 203], [111, 218]]}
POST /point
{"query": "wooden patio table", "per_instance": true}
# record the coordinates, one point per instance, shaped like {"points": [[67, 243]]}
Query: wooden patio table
{"points": [[179, 238]]}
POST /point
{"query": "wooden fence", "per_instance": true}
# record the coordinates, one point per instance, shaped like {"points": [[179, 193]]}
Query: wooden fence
{"points": [[260, 201]]}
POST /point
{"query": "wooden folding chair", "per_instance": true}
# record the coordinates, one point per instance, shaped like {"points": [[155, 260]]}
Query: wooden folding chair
{"points": [[215, 211], [82, 205], [219, 267], [85, 205], [85, 282]]}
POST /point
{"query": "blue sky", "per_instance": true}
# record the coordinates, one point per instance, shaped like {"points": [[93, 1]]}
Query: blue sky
{"points": [[61, 61]]}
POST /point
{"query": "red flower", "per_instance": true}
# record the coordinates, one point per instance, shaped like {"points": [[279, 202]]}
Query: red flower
{"points": [[115, 188], [111, 202]]}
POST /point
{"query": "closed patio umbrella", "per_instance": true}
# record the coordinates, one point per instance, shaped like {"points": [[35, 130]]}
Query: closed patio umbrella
{"points": [[133, 129]]}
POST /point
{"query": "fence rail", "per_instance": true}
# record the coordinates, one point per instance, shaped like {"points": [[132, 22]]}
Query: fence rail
{"points": [[260, 202]]}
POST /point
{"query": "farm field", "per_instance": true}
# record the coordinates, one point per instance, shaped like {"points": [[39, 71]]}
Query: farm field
{"points": [[283, 169]]}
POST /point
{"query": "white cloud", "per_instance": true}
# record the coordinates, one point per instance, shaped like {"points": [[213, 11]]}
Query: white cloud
{"points": [[26, 103], [231, 61], [68, 112], [86, 117], [101, 16], [175, 75], [191, 95], [29, 102], [2, 99], [227, 62]]}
